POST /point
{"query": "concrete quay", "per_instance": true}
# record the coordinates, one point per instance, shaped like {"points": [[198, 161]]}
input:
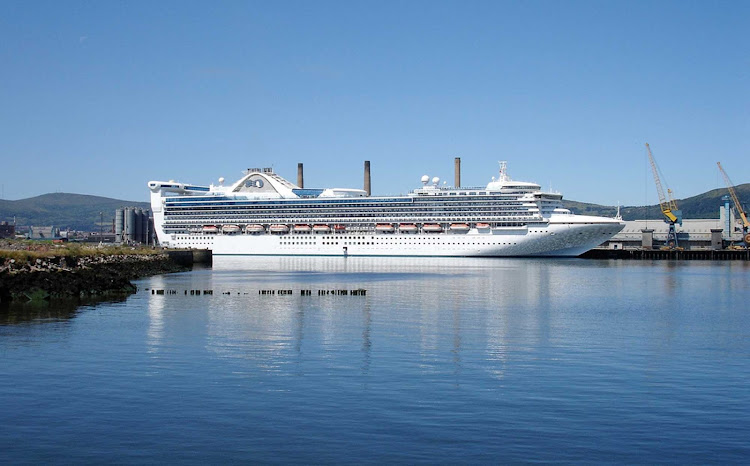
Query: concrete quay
{"points": [[189, 257], [669, 254]]}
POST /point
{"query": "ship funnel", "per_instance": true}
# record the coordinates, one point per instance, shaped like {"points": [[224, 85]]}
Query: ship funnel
{"points": [[458, 172], [300, 176], [367, 178]]}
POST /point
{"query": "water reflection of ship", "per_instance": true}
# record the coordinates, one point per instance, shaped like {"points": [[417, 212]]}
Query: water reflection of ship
{"points": [[447, 301], [286, 264], [156, 305]]}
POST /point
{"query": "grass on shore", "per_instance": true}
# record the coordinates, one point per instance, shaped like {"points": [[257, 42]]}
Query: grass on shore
{"points": [[25, 250]]}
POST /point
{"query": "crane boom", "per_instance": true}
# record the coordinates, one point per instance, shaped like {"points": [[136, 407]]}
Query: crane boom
{"points": [[668, 207], [735, 199]]}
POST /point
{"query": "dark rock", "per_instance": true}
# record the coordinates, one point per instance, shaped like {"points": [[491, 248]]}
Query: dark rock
{"points": [[98, 276]]}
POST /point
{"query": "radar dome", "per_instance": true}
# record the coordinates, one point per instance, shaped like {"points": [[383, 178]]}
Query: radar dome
{"points": [[221, 180], [435, 180], [426, 179]]}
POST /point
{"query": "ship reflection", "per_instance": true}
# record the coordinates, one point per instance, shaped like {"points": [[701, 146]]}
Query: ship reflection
{"points": [[437, 313]]}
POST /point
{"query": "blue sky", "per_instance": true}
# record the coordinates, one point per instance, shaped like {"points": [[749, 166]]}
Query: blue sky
{"points": [[100, 97]]}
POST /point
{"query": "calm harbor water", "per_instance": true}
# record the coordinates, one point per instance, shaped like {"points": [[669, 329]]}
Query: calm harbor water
{"points": [[443, 361]]}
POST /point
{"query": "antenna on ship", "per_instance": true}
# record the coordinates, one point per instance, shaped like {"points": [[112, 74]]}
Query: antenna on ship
{"points": [[504, 171]]}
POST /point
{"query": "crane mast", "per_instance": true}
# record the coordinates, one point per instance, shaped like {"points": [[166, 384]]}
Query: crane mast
{"points": [[668, 205], [737, 205]]}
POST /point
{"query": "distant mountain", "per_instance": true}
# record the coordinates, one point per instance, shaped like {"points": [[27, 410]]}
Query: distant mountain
{"points": [[704, 205], [65, 210], [81, 212]]}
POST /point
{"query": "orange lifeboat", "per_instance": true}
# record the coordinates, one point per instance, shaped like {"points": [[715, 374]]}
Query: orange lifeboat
{"points": [[407, 227], [254, 229], [210, 229], [278, 229], [384, 228], [432, 228], [321, 228], [459, 227], [230, 229], [302, 228]]}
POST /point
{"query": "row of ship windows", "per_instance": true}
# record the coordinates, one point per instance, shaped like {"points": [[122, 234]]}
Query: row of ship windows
{"points": [[390, 243], [411, 205], [498, 224], [345, 234], [410, 210], [390, 213], [413, 208], [213, 200], [345, 213], [181, 201], [350, 219]]}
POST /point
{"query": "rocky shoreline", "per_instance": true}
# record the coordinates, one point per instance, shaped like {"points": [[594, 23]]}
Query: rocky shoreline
{"points": [[79, 277]]}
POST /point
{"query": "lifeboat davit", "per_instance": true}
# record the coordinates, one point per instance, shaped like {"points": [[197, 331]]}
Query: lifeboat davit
{"points": [[384, 228], [278, 229], [321, 228], [407, 227], [459, 227], [229, 229], [302, 228], [210, 229], [254, 229], [432, 228]]}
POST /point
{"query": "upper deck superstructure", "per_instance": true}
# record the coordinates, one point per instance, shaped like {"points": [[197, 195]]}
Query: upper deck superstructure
{"points": [[262, 213]]}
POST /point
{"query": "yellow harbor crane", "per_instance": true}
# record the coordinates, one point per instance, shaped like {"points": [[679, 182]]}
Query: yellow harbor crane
{"points": [[737, 205], [669, 208]]}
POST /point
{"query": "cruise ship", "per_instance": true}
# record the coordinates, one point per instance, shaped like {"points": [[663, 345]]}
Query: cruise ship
{"points": [[265, 214]]}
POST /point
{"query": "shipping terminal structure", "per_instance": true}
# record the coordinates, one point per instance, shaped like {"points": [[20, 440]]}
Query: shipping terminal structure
{"points": [[265, 214]]}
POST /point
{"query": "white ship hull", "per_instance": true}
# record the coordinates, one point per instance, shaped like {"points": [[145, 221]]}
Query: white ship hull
{"points": [[557, 239]]}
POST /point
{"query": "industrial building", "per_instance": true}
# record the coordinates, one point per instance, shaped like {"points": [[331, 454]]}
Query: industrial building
{"points": [[134, 225], [7, 230], [692, 234], [653, 234], [44, 232]]}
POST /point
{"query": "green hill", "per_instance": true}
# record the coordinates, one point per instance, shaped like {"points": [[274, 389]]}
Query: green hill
{"points": [[704, 205], [65, 210], [81, 212]]}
